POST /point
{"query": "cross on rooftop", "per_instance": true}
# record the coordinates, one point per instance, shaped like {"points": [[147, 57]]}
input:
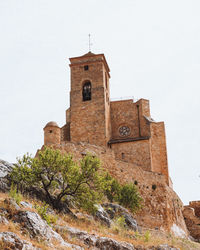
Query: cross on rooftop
{"points": [[89, 43]]}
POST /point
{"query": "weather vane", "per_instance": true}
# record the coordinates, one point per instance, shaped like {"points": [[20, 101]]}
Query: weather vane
{"points": [[89, 44]]}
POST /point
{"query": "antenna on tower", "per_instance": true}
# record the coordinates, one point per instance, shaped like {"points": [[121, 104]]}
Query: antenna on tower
{"points": [[89, 42]]}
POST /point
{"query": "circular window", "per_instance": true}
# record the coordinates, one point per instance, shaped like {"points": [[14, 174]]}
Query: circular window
{"points": [[124, 131]]}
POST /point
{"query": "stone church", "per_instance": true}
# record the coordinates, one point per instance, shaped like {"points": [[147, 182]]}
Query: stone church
{"points": [[124, 127]]}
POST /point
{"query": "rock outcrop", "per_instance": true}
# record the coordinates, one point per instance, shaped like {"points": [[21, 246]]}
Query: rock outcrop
{"points": [[191, 215], [32, 223], [93, 241], [38, 228], [10, 240], [5, 169], [115, 210]]}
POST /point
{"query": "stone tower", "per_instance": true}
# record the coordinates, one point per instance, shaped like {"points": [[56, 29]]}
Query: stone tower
{"points": [[52, 133], [89, 99], [124, 126]]}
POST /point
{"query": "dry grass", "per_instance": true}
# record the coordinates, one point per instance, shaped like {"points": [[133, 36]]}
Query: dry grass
{"points": [[120, 234], [147, 238]]}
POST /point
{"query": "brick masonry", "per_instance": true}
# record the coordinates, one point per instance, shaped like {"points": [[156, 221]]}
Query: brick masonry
{"points": [[98, 121], [130, 144]]}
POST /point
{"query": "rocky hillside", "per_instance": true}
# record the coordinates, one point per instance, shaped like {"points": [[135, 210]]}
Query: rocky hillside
{"points": [[26, 223]]}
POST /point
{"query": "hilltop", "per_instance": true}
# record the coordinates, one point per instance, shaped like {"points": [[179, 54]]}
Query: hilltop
{"points": [[27, 224]]}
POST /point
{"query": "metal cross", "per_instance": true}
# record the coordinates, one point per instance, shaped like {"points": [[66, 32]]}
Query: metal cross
{"points": [[89, 44]]}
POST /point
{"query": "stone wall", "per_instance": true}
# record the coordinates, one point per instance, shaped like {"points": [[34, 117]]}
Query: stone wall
{"points": [[136, 152], [130, 114], [158, 149], [124, 113]]}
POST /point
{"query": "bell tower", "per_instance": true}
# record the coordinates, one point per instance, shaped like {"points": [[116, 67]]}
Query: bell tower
{"points": [[90, 99]]}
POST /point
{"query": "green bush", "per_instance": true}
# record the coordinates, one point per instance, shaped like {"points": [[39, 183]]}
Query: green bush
{"points": [[130, 197], [42, 211], [63, 180], [126, 195], [147, 236], [66, 182], [14, 194], [113, 190], [120, 221]]}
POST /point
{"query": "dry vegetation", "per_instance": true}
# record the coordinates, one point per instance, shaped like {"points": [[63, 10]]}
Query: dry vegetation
{"points": [[85, 223]]}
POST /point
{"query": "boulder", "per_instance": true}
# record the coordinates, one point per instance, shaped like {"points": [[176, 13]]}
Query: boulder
{"points": [[38, 228], [105, 243], [88, 239], [10, 240], [93, 241], [102, 216], [5, 169], [115, 210], [160, 247], [192, 221], [26, 204]]}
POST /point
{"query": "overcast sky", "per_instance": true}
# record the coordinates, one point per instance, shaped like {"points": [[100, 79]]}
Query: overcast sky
{"points": [[151, 46]]}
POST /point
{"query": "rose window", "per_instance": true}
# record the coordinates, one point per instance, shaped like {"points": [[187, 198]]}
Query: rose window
{"points": [[124, 131]]}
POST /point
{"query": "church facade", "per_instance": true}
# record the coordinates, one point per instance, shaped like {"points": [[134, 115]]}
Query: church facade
{"points": [[124, 127]]}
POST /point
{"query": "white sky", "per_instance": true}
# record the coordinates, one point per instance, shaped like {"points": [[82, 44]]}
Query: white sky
{"points": [[152, 48]]}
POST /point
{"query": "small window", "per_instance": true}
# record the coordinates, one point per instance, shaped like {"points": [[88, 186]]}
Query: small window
{"points": [[86, 92], [123, 155], [50, 131], [86, 67]]}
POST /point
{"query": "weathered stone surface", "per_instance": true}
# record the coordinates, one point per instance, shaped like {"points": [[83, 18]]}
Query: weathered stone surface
{"points": [[166, 247], [103, 216], [192, 220], [161, 247], [3, 220], [5, 169], [38, 228], [94, 241], [26, 204], [12, 204], [116, 210], [12, 241], [105, 243]]}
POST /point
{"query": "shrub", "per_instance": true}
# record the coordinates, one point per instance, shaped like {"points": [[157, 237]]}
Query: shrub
{"points": [[130, 198], [65, 182], [42, 211], [126, 195], [120, 221], [61, 179], [14, 194], [113, 189], [147, 236]]}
